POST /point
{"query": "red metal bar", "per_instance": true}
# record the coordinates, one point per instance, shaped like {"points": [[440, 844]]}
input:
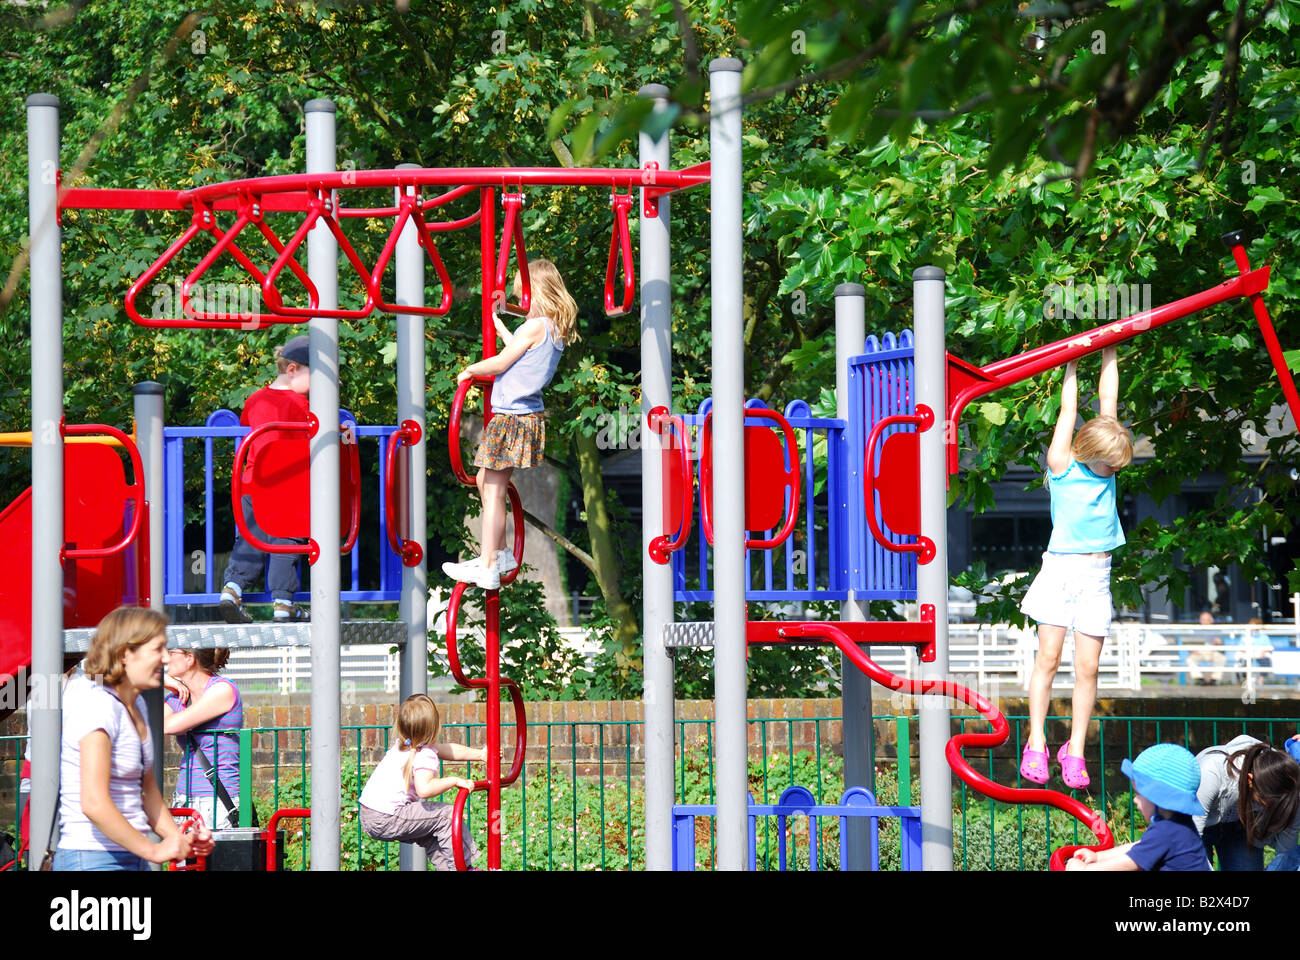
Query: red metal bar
{"points": [[453, 428], [512, 229], [410, 210], [967, 382], [408, 434], [953, 751], [792, 474], [137, 490], [923, 420], [1235, 242], [193, 821], [661, 546], [620, 243], [893, 632], [310, 549], [268, 833]]}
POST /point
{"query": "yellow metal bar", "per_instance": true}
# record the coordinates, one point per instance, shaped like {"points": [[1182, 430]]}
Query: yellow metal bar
{"points": [[23, 438]]}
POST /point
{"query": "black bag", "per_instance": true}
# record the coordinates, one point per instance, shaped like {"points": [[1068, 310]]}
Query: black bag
{"points": [[232, 809]]}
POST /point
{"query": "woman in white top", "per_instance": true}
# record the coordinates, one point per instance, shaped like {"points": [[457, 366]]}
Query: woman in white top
{"points": [[108, 797]]}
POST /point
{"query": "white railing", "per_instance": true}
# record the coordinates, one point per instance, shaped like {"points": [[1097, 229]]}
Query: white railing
{"points": [[983, 656]]}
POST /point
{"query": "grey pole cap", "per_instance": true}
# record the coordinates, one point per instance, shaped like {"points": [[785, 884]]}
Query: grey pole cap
{"points": [[653, 90], [318, 106], [928, 273], [408, 166], [42, 100], [148, 388], [850, 290], [719, 64]]}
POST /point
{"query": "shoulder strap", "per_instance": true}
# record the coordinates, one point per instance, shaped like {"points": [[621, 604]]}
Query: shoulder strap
{"points": [[222, 794]]}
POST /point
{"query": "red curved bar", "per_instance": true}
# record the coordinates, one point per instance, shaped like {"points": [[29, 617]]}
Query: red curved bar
{"points": [[410, 210], [453, 427], [923, 420], [320, 207], [521, 722], [311, 550], [661, 546], [268, 832], [512, 228], [791, 476], [193, 820], [409, 434], [137, 490], [620, 242], [953, 751]]}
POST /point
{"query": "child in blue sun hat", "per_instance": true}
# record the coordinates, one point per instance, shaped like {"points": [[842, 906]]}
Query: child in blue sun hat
{"points": [[1165, 779]]}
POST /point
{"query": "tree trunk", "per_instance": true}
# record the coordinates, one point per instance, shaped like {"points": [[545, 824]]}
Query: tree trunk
{"points": [[603, 552]]}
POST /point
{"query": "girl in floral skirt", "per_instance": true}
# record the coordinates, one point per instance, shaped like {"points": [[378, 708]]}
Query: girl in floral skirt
{"points": [[515, 437]]}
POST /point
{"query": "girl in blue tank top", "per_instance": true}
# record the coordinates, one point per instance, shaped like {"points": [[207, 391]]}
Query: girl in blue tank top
{"points": [[1071, 593], [515, 436]]}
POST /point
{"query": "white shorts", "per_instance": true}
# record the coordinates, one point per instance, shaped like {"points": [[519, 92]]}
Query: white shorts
{"points": [[1072, 590]]}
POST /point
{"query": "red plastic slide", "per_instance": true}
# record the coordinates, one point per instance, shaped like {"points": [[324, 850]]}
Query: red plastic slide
{"points": [[953, 751], [95, 522]]}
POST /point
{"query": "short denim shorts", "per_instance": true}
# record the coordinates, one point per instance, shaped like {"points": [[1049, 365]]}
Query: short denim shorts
{"points": [[98, 860]]}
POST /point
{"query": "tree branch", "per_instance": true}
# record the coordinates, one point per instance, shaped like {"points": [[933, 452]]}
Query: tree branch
{"points": [[572, 548]]}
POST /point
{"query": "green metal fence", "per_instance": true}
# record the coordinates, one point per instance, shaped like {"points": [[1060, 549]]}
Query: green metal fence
{"points": [[578, 805]]}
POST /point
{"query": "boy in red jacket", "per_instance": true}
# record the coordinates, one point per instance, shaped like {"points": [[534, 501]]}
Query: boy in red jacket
{"points": [[284, 398]]}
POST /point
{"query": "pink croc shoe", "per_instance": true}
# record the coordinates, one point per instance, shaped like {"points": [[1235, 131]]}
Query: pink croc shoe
{"points": [[1074, 770], [1034, 765]]}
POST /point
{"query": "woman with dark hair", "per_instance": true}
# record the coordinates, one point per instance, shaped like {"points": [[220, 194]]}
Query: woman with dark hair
{"points": [[205, 712], [108, 797], [1251, 795]]}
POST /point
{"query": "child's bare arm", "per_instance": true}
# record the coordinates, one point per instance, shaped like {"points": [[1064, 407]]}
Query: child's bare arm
{"points": [[1058, 454], [1108, 385], [428, 784], [460, 752], [502, 330], [1121, 862]]}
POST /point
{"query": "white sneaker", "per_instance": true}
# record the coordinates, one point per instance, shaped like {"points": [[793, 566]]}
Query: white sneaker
{"points": [[473, 571], [506, 562]]}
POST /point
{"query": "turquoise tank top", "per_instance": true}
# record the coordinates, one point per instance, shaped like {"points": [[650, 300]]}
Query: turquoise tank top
{"points": [[519, 390], [1084, 515]]}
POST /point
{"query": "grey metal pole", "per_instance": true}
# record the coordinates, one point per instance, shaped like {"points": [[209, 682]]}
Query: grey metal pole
{"points": [[414, 599], [859, 734], [149, 438], [727, 295], [44, 713], [326, 741], [656, 390], [932, 577]]}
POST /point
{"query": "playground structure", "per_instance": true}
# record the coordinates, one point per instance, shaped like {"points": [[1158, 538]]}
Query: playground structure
{"points": [[886, 506]]}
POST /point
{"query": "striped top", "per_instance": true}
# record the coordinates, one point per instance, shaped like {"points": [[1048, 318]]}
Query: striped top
{"points": [[191, 780]]}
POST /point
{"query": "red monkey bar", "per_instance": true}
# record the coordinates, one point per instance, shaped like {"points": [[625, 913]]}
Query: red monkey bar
{"points": [[966, 381], [407, 435], [677, 473]]}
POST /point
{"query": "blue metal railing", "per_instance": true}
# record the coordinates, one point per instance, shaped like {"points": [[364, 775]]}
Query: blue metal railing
{"points": [[880, 385], [812, 563], [856, 802], [223, 426]]}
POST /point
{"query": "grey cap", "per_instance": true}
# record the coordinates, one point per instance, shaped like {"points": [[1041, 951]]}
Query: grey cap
{"points": [[654, 90], [719, 64], [850, 290], [320, 105], [928, 273], [42, 100], [297, 350], [148, 388]]}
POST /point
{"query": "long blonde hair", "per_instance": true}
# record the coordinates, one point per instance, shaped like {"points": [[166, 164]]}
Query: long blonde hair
{"points": [[416, 727], [126, 628], [552, 299]]}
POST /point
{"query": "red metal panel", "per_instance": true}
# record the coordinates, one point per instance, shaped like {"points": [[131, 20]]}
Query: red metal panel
{"points": [[767, 478]]}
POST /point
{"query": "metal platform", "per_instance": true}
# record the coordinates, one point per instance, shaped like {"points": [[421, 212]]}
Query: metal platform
{"points": [[245, 636], [697, 633]]}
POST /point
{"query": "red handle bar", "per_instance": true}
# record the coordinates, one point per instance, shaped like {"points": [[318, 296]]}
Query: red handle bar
{"points": [[923, 420], [620, 242], [790, 474], [137, 490], [408, 434], [662, 546], [268, 833], [512, 229]]}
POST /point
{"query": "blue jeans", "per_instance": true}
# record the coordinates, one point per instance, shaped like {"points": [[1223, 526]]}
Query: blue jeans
{"points": [[1229, 841], [1286, 861], [246, 561], [98, 860]]}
